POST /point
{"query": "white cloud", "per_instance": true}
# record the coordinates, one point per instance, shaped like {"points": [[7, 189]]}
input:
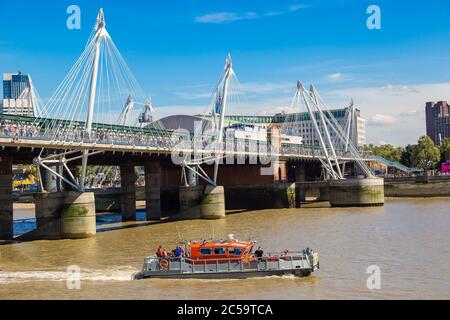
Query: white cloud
{"points": [[335, 76], [404, 103], [194, 96], [297, 7], [267, 87], [399, 89], [382, 120], [247, 88], [395, 113], [224, 17], [169, 110], [411, 113]]}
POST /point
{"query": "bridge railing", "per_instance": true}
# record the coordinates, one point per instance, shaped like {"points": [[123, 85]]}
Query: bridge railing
{"points": [[26, 130], [130, 136]]}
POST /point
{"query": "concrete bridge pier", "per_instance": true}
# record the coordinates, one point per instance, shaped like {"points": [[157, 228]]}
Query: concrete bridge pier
{"points": [[190, 198], [357, 192], [201, 202], [50, 182], [284, 192], [153, 189], [48, 209], [324, 193], [128, 185], [6, 199], [212, 204], [64, 215], [300, 192], [78, 219]]}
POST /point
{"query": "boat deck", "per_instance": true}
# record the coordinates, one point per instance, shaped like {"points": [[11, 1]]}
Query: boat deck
{"points": [[183, 267]]}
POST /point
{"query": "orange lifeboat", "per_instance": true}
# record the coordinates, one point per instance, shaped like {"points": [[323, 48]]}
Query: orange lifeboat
{"points": [[210, 251], [231, 258]]}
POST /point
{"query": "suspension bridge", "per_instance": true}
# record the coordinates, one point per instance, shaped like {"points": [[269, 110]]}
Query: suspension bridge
{"points": [[100, 115]]}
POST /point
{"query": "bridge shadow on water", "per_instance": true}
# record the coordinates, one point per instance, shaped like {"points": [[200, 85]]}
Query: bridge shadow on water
{"points": [[107, 222], [25, 229], [113, 221]]}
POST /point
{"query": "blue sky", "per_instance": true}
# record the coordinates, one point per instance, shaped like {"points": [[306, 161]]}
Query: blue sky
{"points": [[176, 49]]}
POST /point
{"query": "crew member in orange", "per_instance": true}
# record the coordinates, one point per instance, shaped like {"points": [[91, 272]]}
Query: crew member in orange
{"points": [[160, 252]]}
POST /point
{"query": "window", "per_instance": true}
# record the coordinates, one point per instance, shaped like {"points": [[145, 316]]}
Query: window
{"points": [[219, 250], [205, 251], [235, 251]]}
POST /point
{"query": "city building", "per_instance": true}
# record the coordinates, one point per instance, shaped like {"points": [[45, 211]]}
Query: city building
{"points": [[250, 132], [18, 95], [438, 120], [301, 124], [290, 126]]}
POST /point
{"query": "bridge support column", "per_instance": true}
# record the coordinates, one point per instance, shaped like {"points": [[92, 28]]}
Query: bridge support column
{"points": [[48, 208], [280, 171], [300, 172], [357, 192], [50, 182], [190, 198], [212, 205], [201, 202], [128, 180], [66, 186], [6, 199], [78, 216], [300, 192], [153, 189], [192, 178], [324, 193], [64, 215]]}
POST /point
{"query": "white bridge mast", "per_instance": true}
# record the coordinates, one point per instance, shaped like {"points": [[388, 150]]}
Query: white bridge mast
{"points": [[310, 98], [223, 105], [99, 34]]}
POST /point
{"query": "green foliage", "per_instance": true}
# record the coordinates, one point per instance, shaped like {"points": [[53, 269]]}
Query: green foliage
{"points": [[387, 151], [425, 154], [406, 158], [445, 149]]}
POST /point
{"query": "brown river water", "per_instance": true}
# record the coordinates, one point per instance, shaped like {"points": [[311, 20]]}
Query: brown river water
{"points": [[408, 240]]}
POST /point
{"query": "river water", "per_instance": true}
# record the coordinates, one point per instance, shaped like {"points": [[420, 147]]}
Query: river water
{"points": [[408, 240]]}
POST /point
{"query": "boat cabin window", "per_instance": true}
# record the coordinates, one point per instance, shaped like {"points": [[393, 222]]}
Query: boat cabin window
{"points": [[219, 250], [235, 251], [205, 251]]}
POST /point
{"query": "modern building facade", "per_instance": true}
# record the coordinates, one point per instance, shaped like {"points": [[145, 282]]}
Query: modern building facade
{"points": [[301, 124], [18, 95], [258, 133], [438, 120], [294, 128]]}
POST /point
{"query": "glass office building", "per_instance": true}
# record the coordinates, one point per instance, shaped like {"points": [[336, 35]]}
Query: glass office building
{"points": [[17, 95]]}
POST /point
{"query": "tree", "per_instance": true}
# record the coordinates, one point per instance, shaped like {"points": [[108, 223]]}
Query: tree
{"points": [[425, 153], [387, 151], [445, 149], [406, 157]]}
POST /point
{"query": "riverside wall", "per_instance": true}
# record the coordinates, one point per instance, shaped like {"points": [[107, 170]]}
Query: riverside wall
{"points": [[434, 186]]}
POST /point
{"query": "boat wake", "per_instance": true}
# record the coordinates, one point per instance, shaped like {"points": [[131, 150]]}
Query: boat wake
{"points": [[110, 274], [262, 278]]}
